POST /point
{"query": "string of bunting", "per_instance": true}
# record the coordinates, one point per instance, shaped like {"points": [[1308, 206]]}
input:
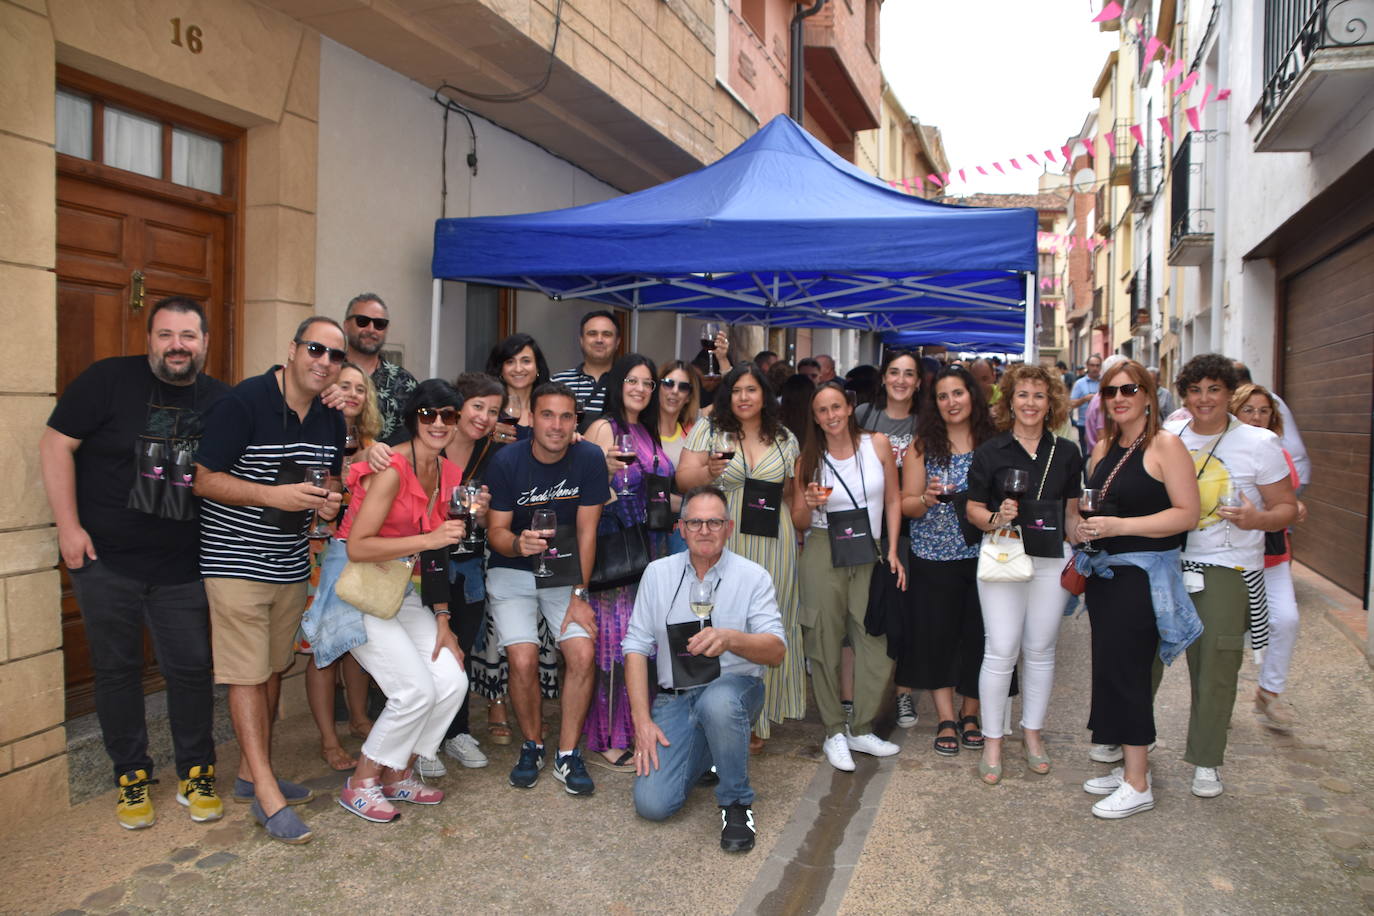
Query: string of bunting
{"points": [[1173, 68]]}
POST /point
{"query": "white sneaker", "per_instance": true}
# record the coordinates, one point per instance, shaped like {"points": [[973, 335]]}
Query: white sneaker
{"points": [[836, 749], [1206, 782], [430, 767], [1112, 753], [872, 744], [1124, 802], [906, 711], [463, 748], [1106, 785]]}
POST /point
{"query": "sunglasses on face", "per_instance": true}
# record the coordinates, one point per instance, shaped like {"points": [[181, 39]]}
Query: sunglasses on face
{"points": [[427, 415], [674, 385], [712, 524], [316, 350], [363, 321], [1109, 391]]}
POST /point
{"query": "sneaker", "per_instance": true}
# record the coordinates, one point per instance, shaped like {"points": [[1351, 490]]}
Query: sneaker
{"points": [[1124, 802], [1206, 782], [570, 770], [464, 749], [134, 809], [1112, 753], [430, 767], [906, 710], [364, 797], [736, 828], [1106, 785], [1275, 709], [197, 792], [409, 789], [836, 749], [525, 773], [872, 744]]}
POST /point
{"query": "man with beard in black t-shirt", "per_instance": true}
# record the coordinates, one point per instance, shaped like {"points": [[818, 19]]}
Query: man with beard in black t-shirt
{"points": [[117, 463]]}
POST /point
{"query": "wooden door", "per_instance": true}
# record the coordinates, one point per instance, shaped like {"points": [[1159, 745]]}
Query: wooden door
{"points": [[1328, 373], [124, 241]]}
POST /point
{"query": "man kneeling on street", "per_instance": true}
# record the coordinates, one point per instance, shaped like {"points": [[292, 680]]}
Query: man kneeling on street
{"points": [[710, 686]]}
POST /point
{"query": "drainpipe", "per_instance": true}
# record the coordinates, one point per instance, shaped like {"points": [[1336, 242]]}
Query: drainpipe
{"points": [[797, 90], [1216, 165]]}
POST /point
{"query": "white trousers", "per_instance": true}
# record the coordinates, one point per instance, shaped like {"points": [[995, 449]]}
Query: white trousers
{"points": [[1283, 627], [422, 696], [1020, 619]]}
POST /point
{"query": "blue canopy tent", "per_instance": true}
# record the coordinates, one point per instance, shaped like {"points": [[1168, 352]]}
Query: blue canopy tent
{"points": [[780, 232]]}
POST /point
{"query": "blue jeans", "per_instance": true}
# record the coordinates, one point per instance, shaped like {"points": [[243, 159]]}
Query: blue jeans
{"points": [[705, 726]]}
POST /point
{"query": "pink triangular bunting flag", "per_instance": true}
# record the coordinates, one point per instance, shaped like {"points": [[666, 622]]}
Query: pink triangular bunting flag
{"points": [[1173, 72], [935, 180], [1138, 134], [944, 178], [981, 170], [920, 185], [998, 167], [1066, 151], [1031, 157], [1111, 142], [1151, 48], [1187, 84], [1016, 165], [1193, 120], [1223, 95], [963, 177], [1109, 12], [1049, 154], [1168, 124]]}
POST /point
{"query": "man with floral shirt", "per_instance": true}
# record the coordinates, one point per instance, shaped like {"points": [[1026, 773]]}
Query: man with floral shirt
{"points": [[365, 323]]}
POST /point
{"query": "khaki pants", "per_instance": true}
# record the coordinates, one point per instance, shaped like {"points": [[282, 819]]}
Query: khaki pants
{"points": [[834, 602], [1214, 661]]}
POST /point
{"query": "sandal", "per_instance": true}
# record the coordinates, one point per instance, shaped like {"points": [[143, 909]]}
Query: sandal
{"points": [[498, 730], [946, 745], [360, 731], [972, 737], [338, 759], [989, 775]]}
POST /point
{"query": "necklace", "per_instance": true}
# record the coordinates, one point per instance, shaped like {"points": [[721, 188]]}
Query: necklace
{"points": [[1034, 449]]}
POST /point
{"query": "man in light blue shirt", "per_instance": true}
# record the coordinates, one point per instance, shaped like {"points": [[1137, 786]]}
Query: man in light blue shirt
{"points": [[709, 677], [1084, 390]]}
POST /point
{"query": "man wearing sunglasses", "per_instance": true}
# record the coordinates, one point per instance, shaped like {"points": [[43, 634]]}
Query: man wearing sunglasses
{"points": [[365, 323], [257, 502], [703, 712]]}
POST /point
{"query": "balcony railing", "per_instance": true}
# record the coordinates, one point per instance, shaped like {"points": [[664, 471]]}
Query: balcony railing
{"points": [[1100, 201], [1311, 38], [1121, 161], [1099, 310], [1142, 177], [1191, 210]]}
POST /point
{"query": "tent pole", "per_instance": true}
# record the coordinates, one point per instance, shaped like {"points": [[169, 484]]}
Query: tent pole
{"points": [[677, 335], [634, 331], [1031, 356], [435, 299]]}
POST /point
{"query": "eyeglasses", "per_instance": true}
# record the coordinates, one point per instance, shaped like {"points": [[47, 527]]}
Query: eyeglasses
{"points": [[645, 383], [712, 524], [1109, 391], [671, 384], [1247, 410], [363, 321], [427, 415], [316, 350]]}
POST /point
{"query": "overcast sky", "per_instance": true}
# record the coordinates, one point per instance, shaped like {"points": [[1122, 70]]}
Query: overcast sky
{"points": [[1000, 78]]}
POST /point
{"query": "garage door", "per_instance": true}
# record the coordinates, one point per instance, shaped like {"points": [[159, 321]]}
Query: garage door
{"points": [[1329, 383]]}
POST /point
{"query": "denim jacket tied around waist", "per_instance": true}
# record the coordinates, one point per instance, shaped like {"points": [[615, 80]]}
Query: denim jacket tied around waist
{"points": [[1176, 618]]}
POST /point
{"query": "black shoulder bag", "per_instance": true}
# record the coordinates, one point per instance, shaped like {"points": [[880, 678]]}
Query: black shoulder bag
{"points": [[851, 536]]}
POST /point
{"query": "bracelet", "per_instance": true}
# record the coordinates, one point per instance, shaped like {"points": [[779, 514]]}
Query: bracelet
{"points": [[923, 501], [992, 519]]}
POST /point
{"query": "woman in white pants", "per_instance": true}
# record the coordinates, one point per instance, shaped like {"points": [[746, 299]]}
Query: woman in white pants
{"points": [[1254, 405], [414, 656], [1022, 618]]}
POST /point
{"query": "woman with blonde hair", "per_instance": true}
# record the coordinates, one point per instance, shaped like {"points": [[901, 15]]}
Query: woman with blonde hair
{"points": [[1029, 479]]}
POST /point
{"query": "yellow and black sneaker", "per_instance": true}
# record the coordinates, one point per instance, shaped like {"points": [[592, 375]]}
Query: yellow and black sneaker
{"points": [[134, 808], [197, 792]]}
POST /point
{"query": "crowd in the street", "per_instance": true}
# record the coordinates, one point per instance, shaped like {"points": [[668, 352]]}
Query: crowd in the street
{"points": [[673, 550]]}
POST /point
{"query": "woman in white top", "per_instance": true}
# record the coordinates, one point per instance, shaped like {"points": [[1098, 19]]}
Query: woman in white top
{"points": [[845, 480]]}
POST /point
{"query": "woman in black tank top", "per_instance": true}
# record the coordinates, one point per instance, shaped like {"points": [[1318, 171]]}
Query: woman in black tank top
{"points": [[1150, 498]]}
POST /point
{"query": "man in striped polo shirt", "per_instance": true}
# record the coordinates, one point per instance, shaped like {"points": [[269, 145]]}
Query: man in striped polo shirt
{"points": [[259, 440], [599, 339]]}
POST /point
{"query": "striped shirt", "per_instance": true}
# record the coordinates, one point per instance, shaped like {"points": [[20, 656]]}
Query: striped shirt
{"points": [[590, 391], [252, 434]]}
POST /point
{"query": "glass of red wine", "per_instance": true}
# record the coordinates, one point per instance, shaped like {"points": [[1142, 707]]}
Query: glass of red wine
{"points": [[351, 441], [1089, 505], [709, 330], [726, 452], [1016, 485], [460, 509], [625, 446]]}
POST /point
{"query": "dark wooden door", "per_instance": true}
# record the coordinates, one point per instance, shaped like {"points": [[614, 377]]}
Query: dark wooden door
{"points": [[1328, 377], [104, 234]]}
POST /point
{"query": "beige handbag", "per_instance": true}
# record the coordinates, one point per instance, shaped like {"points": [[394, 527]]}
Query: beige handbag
{"points": [[1003, 558], [375, 588]]}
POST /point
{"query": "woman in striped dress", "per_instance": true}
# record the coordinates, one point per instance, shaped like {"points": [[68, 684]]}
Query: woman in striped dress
{"points": [[745, 450]]}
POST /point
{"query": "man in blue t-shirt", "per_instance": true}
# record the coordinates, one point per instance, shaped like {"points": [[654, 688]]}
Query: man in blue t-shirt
{"points": [[1084, 390], [547, 471]]}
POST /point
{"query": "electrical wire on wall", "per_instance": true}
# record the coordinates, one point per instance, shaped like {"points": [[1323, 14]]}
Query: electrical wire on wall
{"points": [[529, 92], [449, 107]]}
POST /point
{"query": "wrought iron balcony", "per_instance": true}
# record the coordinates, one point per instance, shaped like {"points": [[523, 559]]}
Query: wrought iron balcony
{"points": [[1099, 318], [1142, 178], [1120, 170], [1101, 199], [1190, 204], [1318, 69]]}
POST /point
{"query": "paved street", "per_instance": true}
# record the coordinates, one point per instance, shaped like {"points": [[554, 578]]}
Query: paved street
{"points": [[1294, 832]]}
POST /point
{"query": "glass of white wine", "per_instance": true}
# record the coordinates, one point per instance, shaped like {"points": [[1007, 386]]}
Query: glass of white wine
{"points": [[702, 600]]}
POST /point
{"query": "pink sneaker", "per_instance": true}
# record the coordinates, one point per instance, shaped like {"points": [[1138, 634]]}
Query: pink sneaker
{"points": [[365, 798], [410, 789]]}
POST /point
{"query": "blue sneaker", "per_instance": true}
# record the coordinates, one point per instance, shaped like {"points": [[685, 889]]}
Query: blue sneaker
{"points": [[526, 772], [570, 770]]}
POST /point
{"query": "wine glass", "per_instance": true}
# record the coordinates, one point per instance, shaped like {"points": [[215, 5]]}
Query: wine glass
{"points": [[318, 476], [1017, 483], [473, 493], [819, 485], [625, 445], [727, 448], [1089, 505], [460, 508], [544, 523], [1230, 498], [351, 441], [709, 330], [702, 600]]}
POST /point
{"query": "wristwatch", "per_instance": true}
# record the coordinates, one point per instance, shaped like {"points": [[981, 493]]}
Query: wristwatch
{"points": [[580, 591]]}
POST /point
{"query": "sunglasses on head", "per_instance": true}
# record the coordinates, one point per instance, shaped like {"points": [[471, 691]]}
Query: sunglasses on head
{"points": [[670, 384], [316, 350], [363, 321], [1109, 391], [427, 415]]}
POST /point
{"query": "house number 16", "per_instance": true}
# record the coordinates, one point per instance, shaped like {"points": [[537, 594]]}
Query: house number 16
{"points": [[193, 33]]}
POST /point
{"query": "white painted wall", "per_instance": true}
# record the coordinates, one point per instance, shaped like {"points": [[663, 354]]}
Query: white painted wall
{"points": [[380, 141]]}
